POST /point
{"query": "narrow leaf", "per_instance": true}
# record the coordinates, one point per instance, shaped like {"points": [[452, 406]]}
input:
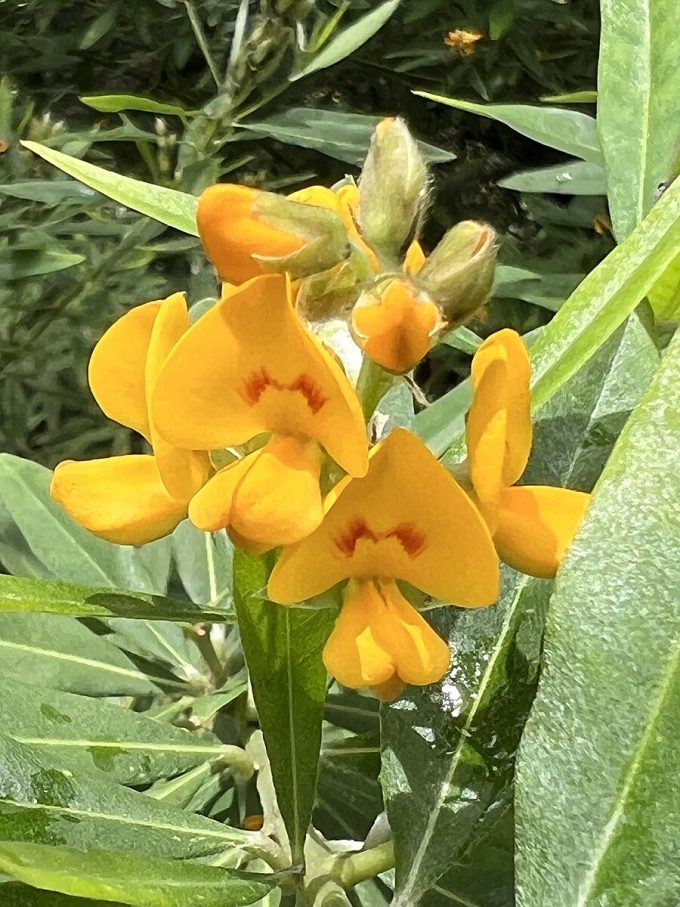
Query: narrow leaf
{"points": [[571, 178], [141, 881], [283, 648], [567, 130], [638, 110], [115, 103], [598, 802], [176, 209], [350, 39]]}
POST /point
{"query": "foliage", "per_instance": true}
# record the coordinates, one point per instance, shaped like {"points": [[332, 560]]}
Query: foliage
{"points": [[132, 767]]}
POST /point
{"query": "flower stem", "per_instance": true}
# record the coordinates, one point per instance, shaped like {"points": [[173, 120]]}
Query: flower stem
{"points": [[372, 385], [350, 869]]}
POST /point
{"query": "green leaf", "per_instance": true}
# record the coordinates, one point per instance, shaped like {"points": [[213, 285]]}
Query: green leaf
{"points": [[142, 881], [49, 192], [448, 752], [572, 97], [570, 178], [664, 297], [463, 339], [344, 136], [567, 130], [99, 27], [638, 111], [350, 39], [283, 646], [20, 595], [176, 209], [22, 263], [66, 655], [14, 894], [86, 735], [115, 103], [43, 804], [597, 801], [203, 561]]}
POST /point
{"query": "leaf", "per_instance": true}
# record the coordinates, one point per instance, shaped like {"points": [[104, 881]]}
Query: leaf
{"points": [[572, 97], [43, 804], [638, 111], [344, 136], [144, 881], [664, 297], [99, 27], [570, 131], [282, 646], [49, 192], [20, 595], [204, 563], [176, 209], [597, 802], [570, 178], [23, 263], [14, 894], [115, 103], [87, 735], [449, 751], [65, 655], [350, 39]]}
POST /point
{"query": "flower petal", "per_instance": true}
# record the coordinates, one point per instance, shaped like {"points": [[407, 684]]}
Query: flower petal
{"points": [[270, 498], [536, 525], [353, 654], [183, 471], [499, 421], [231, 232], [120, 499], [117, 367], [406, 519], [249, 366], [394, 324]]}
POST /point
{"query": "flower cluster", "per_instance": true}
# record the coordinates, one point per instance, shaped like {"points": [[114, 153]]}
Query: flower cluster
{"points": [[251, 420]]}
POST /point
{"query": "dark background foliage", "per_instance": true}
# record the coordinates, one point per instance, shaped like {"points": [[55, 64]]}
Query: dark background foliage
{"points": [[72, 261]]}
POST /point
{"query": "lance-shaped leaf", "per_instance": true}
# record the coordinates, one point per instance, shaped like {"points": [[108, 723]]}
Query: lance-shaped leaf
{"points": [[88, 735], [449, 752], [43, 804], [598, 802], [16, 894], [283, 648], [141, 881], [638, 105], [176, 209]]}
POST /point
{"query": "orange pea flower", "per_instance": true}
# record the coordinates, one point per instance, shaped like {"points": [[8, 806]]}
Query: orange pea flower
{"points": [[133, 499], [532, 525], [246, 369], [407, 519]]}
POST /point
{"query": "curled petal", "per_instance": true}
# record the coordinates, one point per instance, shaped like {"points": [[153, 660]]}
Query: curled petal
{"points": [[270, 498], [120, 499], [407, 519], [536, 525], [498, 428]]}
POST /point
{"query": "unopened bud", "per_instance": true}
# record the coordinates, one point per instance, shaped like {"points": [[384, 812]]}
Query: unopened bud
{"points": [[392, 191], [459, 273], [395, 323], [247, 232]]}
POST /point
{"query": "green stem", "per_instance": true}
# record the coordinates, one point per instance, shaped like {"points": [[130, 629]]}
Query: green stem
{"points": [[350, 869], [372, 385], [202, 42]]}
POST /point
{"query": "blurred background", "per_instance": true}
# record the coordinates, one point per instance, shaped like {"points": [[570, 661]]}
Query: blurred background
{"points": [[239, 95]]}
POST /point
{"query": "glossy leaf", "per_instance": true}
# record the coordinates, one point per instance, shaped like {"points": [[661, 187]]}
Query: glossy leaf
{"points": [[638, 110], [598, 803], [567, 130], [570, 178], [343, 136], [350, 39], [18, 594], [449, 751], [141, 881], [176, 209], [43, 804], [283, 648], [87, 735], [115, 103]]}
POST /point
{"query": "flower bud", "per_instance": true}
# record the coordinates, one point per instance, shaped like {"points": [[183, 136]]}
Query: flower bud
{"points": [[392, 191], [247, 232], [459, 273], [395, 324]]}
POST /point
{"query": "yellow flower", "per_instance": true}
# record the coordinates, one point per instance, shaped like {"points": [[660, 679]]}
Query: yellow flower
{"points": [[133, 499], [407, 519], [532, 525], [394, 323], [249, 368]]}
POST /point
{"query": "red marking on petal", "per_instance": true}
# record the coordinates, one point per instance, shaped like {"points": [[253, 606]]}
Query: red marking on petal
{"points": [[412, 539], [258, 382]]}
